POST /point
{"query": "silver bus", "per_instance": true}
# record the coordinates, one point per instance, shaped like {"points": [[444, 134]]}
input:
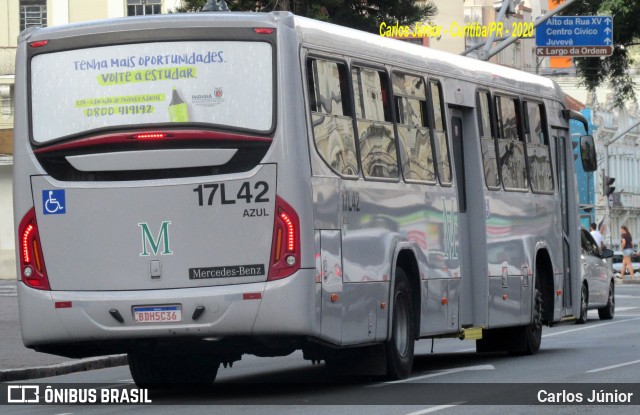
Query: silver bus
{"points": [[192, 188]]}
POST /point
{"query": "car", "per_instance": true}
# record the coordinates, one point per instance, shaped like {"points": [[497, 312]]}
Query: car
{"points": [[617, 262], [598, 288]]}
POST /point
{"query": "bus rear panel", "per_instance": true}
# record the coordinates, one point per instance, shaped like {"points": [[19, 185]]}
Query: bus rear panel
{"points": [[147, 187]]}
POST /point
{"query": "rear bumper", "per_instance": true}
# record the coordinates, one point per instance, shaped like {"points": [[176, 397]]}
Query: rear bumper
{"points": [[285, 307]]}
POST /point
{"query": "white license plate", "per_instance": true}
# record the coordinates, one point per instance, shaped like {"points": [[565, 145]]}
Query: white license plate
{"points": [[157, 314]]}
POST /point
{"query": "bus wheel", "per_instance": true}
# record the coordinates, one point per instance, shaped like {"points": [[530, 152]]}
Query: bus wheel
{"points": [[399, 349], [168, 371], [584, 305], [606, 312], [527, 339]]}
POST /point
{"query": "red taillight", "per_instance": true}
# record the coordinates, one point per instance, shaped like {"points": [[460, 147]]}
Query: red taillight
{"points": [[150, 136], [290, 231], [32, 270], [263, 30], [26, 237], [38, 44], [285, 250]]}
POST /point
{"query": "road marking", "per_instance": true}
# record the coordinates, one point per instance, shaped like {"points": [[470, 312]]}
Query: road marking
{"points": [[8, 291], [435, 408], [614, 366], [440, 373], [581, 328], [623, 308], [589, 327]]}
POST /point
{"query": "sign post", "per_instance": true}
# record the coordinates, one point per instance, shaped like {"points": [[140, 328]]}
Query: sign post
{"points": [[575, 36]]}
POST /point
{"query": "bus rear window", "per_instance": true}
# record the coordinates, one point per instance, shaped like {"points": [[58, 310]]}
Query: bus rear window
{"points": [[225, 83]]}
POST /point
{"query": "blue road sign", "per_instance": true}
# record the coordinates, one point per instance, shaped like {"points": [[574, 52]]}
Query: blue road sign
{"points": [[575, 36]]}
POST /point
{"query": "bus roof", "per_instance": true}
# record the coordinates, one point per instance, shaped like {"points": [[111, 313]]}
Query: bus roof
{"points": [[324, 35], [402, 53], [163, 21]]}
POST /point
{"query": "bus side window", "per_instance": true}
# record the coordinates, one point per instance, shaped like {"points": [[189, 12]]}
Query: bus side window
{"points": [[331, 116], [487, 140], [416, 151], [511, 159], [440, 132], [538, 152], [378, 154]]}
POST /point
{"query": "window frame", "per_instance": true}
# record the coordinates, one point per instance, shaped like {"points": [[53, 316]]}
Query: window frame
{"points": [[350, 106], [592, 248], [445, 125], [142, 5], [521, 138], [547, 135], [353, 64], [27, 11], [426, 118], [494, 134]]}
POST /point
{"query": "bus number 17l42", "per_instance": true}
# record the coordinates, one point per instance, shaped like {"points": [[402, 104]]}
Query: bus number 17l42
{"points": [[244, 193]]}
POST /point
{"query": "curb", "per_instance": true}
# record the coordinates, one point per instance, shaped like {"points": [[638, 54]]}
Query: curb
{"points": [[82, 365], [628, 281]]}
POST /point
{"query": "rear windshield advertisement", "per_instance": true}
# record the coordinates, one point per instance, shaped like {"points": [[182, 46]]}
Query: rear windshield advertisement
{"points": [[225, 83]]}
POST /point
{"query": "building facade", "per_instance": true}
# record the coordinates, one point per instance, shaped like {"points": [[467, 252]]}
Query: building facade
{"points": [[519, 55], [617, 135]]}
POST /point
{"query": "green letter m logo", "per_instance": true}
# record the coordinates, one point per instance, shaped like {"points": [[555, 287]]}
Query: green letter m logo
{"points": [[154, 244]]}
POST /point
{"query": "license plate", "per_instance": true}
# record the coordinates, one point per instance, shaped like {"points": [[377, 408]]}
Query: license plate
{"points": [[157, 314]]}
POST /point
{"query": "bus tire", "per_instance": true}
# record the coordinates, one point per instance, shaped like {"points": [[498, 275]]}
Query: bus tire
{"points": [[607, 312], [527, 339], [168, 371], [584, 305], [399, 349]]}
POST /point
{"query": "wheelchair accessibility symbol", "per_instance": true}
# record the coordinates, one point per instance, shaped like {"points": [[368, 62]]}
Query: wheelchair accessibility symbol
{"points": [[53, 202]]}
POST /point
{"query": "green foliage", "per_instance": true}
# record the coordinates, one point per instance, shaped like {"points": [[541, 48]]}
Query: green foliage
{"points": [[191, 6], [365, 15], [626, 32]]}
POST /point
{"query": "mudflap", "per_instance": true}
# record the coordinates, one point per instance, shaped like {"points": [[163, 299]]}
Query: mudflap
{"points": [[358, 361]]}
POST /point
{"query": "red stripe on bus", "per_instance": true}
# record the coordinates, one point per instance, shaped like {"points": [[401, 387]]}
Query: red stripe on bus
{"points": [[130, 137]]}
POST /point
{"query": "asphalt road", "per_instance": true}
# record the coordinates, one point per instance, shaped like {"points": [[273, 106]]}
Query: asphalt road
{"points": [[13, 354], [601, 355]]}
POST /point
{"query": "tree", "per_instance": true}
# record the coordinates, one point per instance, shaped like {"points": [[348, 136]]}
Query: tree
{"points": [[626, 33], [364, 15], [190, 6]]}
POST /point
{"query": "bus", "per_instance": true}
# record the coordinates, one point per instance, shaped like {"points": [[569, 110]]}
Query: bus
{"points": [[192, 188]]}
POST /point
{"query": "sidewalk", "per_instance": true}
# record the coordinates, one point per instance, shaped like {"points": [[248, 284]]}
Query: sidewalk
{"points": [[18, 362], [627, 279]]}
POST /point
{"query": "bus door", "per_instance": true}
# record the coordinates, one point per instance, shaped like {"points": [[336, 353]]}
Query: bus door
{"points": [[561, 138], [464, 285]]}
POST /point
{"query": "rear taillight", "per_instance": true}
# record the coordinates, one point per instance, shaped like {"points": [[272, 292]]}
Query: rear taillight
{"points": [[285, 249], [32, 270], [264, 30], [150, 136], [39, 43]]}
